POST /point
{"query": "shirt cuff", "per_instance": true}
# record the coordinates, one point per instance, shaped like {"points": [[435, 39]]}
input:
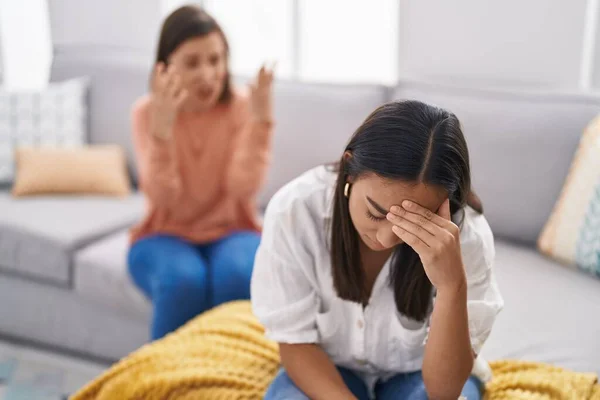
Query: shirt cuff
{"points": [[293, 337]]}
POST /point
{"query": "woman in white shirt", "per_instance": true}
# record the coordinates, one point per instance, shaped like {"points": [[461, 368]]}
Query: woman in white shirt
{"points": [[375, 276]]}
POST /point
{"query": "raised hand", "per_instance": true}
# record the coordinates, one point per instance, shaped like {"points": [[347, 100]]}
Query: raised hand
{"points": [[261, 94], [168, 96]]}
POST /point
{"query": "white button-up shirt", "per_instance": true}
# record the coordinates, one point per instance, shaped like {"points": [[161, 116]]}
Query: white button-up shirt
{"points": [[294, 297]]}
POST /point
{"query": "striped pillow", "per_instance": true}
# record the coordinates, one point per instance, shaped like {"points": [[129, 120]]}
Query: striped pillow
{"points": [[572, 234]]}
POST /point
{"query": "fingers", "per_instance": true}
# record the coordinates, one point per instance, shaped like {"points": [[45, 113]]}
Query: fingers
{"points": [[174, 87], [168, 83], [429, 215], [410, 239], [266, 73], [398, 214], [157, 77], [269, 69], [175, 91], [162, 78], [444, 210], [417, 225], [431, 229], [171, 81], [266, 68], [413, 228], [181, 98]]}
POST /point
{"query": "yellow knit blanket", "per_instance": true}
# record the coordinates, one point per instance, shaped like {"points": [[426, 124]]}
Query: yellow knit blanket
{"points": [[224, 355]]}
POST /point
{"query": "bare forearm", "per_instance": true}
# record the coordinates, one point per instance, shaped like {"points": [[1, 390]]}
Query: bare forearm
{"points": [[448, 356], [251, 160], [162, 182], [311, 369]]}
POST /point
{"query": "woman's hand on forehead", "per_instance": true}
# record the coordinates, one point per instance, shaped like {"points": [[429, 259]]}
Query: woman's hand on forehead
{"points": [[434, 237]]}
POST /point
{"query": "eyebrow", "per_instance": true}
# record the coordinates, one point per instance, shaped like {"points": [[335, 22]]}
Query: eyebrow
{"points": [[377, 207]]}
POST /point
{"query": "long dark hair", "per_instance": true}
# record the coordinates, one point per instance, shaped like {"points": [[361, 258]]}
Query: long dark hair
{"points": [[185, 23], [409, 141]]}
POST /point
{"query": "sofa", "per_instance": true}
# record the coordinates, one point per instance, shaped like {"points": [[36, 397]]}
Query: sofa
{"points": [[63, 275]]}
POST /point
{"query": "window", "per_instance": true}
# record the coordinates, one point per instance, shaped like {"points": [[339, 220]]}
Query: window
{"points": [[349, 40], [258, 31], [333, 40], [25, 43]]}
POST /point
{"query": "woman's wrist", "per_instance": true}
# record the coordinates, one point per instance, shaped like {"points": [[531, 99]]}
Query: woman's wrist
{"points": [[263, 118], [161, 131], [456, 291], [456, 283]]}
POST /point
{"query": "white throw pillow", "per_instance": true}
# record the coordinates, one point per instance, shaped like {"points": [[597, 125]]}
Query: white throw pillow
{"points": [[55, 116]]}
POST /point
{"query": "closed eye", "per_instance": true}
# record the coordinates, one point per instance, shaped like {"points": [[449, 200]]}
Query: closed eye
{"points": [[214, 59], [191, 62], [373, 217]]}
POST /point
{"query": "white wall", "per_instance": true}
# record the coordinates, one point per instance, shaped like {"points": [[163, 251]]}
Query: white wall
{"points": [[594, 37], [25, 42], [508, 42], [502, 42], [129, 24]]}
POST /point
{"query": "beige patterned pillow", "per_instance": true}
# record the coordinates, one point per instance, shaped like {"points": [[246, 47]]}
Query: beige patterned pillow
{"points": [[99, 170], [572, 234]]}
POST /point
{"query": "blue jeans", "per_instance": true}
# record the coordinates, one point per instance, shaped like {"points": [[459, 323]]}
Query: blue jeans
{"points": [[407, 386], [183, 279]]}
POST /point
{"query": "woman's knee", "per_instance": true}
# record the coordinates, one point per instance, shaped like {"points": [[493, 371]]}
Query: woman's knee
{"points": [[141, 261], [136, 257], [473, 389], [146, 252], [183, 274], [230, 278], [167, 263], [283, 388], [411, 386], [234, 256]]}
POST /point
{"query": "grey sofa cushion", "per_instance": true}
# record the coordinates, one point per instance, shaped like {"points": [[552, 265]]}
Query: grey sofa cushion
{"points": [[39, 234], [60, 318], [101, 275], [521, 146], [550, 313], [313, 124]]}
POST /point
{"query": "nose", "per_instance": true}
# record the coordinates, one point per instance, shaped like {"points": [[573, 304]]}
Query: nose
{"points": [[387, 237], [203, 73]]}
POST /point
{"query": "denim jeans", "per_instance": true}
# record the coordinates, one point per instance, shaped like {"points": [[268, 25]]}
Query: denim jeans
{"points": [[408, 386], [183, 279]]}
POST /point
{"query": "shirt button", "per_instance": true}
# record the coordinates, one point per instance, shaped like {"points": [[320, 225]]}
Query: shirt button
{"points": [[360, 324]]}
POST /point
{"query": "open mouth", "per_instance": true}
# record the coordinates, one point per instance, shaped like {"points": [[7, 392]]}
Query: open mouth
{"points": [[205, 92]]}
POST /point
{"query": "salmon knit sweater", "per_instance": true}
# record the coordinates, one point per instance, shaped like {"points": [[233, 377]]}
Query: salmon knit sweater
{"points": [[201, 184]]}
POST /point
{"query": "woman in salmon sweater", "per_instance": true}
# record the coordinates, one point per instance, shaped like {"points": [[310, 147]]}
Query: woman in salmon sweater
{"points": [[202, 151]]}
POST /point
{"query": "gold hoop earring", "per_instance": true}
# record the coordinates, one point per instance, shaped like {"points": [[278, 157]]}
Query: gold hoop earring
{"points": [[346, 189]]}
